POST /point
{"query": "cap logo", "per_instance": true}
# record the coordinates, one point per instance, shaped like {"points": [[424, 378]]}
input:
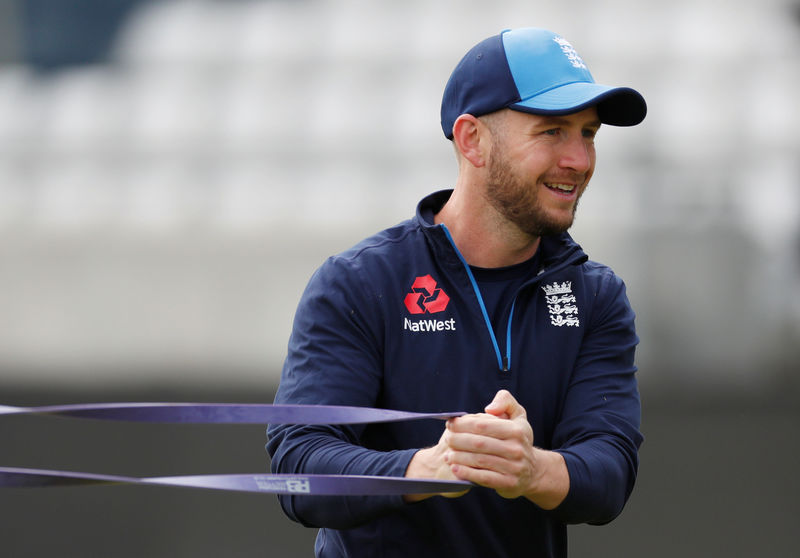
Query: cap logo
{"points": [[570, 53]]}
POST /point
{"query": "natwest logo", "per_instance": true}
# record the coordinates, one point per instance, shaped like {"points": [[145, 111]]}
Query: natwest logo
{"points": [[426, 297]]}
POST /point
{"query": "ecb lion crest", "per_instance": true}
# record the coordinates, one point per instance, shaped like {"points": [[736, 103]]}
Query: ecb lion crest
{"points": [[561, 304]]}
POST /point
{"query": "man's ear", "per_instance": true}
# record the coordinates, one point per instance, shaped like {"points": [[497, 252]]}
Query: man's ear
{"points": [[470, 136]]}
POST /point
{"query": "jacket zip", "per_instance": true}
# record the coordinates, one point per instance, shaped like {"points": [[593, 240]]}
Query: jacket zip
{"points": [[503, 362]]}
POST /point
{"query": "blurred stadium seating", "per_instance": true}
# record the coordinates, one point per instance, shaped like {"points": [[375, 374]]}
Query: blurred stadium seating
{"points": [[161, 209]]}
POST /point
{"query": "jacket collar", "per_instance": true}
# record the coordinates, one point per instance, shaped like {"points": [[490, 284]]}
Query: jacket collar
{"points": [[556, 250]]}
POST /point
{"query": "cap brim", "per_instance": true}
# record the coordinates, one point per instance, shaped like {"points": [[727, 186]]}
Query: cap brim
{"points": [[616, 106]]}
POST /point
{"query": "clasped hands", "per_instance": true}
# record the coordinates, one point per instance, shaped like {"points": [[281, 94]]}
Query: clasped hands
{"points": [[494, 449]]}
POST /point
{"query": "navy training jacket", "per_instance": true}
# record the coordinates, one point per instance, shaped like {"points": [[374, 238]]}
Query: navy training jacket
{"points": [[397, 322]]}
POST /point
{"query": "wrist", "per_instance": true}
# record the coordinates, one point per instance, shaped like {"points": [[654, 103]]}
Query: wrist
{"points": [[551, 485], [419, 468], [429, 463]]}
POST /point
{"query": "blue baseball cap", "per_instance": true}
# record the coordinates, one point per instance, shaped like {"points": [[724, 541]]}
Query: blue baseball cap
{"points": [[536, 71]]}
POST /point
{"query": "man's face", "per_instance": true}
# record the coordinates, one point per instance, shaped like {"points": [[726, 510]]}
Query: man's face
{"points": [[539, 166]]}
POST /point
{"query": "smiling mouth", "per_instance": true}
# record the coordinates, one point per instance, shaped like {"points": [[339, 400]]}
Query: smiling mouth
{"points": [[561, 187]]}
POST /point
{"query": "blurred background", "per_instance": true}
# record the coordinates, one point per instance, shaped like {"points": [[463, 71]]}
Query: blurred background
{"points": [[172, 172]]}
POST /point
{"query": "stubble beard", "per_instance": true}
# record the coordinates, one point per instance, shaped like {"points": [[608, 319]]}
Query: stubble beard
{"points": [[519, 202]]}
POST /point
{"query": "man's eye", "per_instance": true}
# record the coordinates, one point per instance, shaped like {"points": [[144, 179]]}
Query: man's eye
{"points": [[589, 134], [551, 132]]}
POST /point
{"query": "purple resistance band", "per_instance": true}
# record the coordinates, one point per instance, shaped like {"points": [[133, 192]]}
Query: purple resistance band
{"points": [[228, 413], [298, 485], [317, 485]]}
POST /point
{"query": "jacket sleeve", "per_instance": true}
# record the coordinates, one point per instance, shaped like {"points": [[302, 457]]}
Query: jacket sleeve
{"points": [[598, 433], [334, 358]]}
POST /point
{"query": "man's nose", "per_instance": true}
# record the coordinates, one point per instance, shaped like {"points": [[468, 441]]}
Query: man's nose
{"points": [[578, 155]]}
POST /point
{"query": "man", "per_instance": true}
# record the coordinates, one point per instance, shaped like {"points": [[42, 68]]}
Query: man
{"points": [[481, 303]]}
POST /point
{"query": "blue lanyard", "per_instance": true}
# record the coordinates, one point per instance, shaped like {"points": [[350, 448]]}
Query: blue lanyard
{"points": [[504, 364]]}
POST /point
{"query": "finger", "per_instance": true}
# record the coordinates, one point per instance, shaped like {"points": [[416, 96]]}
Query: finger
{"points": [[472, 443], [505, 485], [490, 426], [454, 494], [476, 460], [505, 455], [478, 422]]}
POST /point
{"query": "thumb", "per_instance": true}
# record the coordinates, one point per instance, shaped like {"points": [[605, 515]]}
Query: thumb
{"points": [[505, 406]]}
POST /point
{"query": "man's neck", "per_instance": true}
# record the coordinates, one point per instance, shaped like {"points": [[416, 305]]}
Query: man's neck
{"points": [[482, 237]]}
